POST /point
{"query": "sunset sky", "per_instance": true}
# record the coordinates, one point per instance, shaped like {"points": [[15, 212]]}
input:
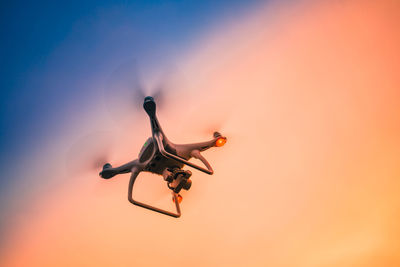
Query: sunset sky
{"points": [[307, 93]]}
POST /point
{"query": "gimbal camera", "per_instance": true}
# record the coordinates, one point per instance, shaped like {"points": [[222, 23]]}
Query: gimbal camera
{"points": [[160, 156]]}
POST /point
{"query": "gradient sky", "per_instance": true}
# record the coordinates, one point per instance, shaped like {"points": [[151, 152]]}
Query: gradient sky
{"points": [[307, 93], [53, 54]]}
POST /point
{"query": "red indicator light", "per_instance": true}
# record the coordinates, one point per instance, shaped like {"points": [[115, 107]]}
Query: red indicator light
{"points": [[179, 197], [220, 141]]}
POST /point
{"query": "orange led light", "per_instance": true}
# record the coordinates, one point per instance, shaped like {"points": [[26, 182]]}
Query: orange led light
{"points": [[179, 197], [220, 141]]}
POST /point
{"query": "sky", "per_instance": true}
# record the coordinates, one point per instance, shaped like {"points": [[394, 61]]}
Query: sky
{"points": [[305, 91], [54, 53]]}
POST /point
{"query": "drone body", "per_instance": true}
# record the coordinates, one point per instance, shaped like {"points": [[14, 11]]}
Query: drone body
{"points": [[160, 156]]}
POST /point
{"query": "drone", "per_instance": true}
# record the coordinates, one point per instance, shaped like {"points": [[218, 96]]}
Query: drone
{"points": [[162, 157]]}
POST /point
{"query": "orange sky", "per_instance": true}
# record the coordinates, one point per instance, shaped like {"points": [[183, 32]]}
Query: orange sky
{"points": [[309, 97]]}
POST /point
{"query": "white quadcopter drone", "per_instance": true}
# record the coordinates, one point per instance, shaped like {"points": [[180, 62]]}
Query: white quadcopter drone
{"points": [[160, 156]]}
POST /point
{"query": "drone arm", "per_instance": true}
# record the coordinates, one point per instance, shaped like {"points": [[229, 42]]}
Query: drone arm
{"points": [[135, 172], [217, 141], [165, 153]]}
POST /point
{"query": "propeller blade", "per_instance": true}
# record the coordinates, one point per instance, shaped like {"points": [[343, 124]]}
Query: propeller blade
{"points": [[125, 91], [89, 153], [207, 123]]}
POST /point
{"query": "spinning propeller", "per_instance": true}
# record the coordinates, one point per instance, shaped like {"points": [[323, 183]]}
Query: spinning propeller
{"points": [[125, 91], [89, 153]]}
